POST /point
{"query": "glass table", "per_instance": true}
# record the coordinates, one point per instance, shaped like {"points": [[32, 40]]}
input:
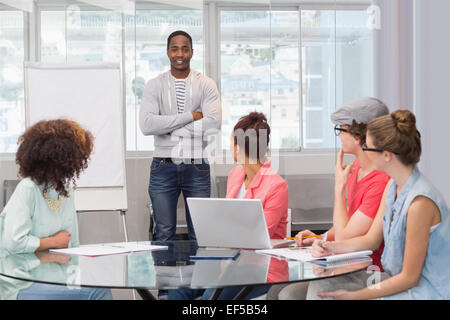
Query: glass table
{"points": [[159, 270]]}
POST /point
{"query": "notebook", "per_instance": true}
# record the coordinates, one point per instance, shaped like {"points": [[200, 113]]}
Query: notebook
{"points": [[231, 223], [304, 254]]}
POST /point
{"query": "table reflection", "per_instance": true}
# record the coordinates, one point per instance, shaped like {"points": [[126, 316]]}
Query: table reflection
{"points": [[59, 268], [47, 275]]}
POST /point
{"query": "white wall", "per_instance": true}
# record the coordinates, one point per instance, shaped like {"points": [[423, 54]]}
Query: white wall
{"points": [[412, 71], [386, 55], [394, 53], [432, 90]]}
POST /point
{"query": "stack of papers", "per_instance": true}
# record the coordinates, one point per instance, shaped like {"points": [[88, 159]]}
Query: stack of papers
{"points": [[304, 254], [94, 250]]}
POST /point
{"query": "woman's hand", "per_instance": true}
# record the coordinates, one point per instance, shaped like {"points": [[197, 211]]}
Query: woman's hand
{"points": [[304, 242], [322, 248], [61, 239], [341, 172]]}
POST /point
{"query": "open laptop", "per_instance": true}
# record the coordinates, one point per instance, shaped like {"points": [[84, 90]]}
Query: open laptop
{"points": [[231, 223]]}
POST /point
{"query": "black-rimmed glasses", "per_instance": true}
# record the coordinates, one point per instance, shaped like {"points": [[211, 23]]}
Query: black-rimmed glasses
{"points": [[338, 130], [364, 147]]}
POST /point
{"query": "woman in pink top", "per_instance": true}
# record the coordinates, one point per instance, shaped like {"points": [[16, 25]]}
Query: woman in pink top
{"points": [[254, 178]]}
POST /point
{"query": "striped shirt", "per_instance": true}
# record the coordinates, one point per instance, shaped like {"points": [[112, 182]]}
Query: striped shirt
{"points": [[180, 90]]}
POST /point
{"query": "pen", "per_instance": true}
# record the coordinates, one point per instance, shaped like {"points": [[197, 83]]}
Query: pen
{"points": [[306, 237]]}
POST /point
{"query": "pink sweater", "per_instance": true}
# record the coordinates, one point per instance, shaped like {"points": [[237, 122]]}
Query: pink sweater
{"points": [[273, 192]]}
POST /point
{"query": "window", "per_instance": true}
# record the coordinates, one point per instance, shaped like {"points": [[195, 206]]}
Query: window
{"points": [[265, 73], [86, 35], [12, 115], [147, 58], [335, 66], [78, 36], [295, 65], [244, 76]]}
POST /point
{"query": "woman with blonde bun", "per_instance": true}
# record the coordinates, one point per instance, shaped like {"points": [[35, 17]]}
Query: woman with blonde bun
{"points": [[413, 220]]}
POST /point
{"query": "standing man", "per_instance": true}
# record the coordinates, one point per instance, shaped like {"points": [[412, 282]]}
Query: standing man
{"points": [[179, 107]]}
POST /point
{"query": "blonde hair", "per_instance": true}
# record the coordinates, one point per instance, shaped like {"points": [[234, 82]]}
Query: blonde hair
{"points": [[397, 133]]}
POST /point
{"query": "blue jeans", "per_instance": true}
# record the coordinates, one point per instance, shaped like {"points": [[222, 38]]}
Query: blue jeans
{"points": [[43, 291], [167, 181]]}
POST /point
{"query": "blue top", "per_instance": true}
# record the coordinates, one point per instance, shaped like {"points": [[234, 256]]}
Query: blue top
{"points": [[434, 282], [27, 218]]}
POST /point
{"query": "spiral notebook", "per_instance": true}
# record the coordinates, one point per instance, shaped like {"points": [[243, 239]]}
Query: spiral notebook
{"points": [[304, 254]]}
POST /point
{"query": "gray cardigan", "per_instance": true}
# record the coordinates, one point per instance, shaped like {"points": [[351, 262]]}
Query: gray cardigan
{"points": [[178, 135]]}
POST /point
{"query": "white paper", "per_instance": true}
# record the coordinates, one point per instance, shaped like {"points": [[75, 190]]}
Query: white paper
{"points": [[295, 253], [304, 254], [94, 250]]}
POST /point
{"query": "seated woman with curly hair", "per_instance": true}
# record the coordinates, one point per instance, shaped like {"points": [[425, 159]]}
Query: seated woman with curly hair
{"points": [[41, 212]]}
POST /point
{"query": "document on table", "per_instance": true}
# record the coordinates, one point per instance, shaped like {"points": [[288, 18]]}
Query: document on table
{"points": [[94, 250], [304, 254]]}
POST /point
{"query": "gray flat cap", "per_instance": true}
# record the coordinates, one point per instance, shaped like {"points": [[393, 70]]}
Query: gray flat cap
{"points": [[361, 110]]}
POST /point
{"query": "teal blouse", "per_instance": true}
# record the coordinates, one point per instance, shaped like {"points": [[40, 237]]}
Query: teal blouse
{"points": [[27, 218]]}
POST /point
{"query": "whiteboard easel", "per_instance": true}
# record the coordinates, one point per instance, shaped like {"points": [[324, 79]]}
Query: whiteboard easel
{"points": [[90, 94]]}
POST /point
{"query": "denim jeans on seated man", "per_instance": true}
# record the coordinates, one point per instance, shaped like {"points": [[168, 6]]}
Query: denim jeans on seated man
{"points": [[168, 178]]}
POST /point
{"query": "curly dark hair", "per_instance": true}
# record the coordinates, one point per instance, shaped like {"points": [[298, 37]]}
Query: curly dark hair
{"points": [[359, 131], [54, 152]]}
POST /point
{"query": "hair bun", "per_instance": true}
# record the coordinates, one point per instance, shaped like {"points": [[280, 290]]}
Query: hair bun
{"points": [[405, 121]]}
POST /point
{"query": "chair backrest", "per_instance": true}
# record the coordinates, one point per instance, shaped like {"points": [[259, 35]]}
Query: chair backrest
{"points": [[8, 188]]}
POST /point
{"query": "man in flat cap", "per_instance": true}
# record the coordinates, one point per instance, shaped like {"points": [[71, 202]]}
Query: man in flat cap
{"points": [[365, 186]]}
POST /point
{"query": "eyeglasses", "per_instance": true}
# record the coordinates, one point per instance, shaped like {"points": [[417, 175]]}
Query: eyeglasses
{"points": [[364, 147], [338, 130]]}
